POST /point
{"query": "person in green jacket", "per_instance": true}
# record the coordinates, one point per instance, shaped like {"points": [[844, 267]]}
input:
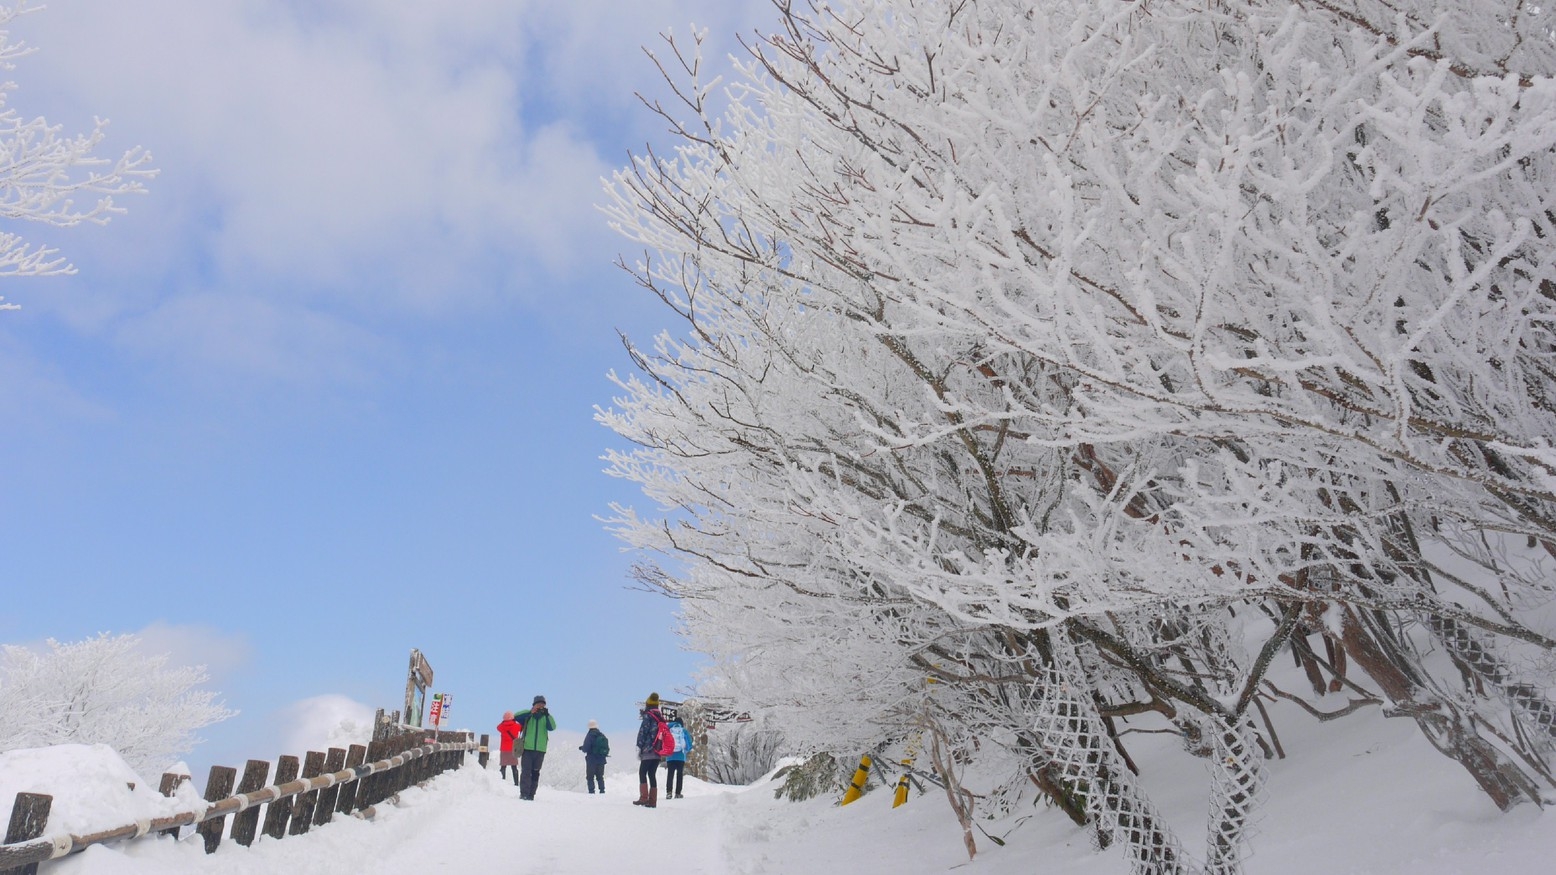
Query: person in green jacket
{"points": [[538, 724]]}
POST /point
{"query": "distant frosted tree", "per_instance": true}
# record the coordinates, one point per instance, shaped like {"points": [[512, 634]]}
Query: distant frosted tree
{"points": [[43, 173], [104, 690], [726, 750]]}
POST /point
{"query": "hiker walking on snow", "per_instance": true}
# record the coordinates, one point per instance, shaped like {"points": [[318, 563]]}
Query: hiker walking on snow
{"points": [[509, 730], [648, 752], [596, 747], [675, 764], [538, 725]]}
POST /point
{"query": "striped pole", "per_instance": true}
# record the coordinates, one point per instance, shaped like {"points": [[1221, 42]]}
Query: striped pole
{"points": [[856, 786], [901, 795]]}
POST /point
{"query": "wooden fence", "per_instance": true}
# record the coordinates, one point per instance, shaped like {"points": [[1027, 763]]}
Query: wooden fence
{"points": [[303, 795]]}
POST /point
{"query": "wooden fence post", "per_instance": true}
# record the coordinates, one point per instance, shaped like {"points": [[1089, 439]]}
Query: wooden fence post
{"points": [[326, 809], [484, 756], [217, 787], [392, 778], [424, 766], [245, 824], [277, 812], [367, 792], [356, 756], [168, 788], [303, 805], [401, 777], [29, 818], [419, 765]]}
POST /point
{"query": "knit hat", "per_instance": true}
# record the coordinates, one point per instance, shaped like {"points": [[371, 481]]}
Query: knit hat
{"points": [[594, 724], [653, 700], [540, 700]]}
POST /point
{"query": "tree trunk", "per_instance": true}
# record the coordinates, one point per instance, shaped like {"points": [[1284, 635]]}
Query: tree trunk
{"points": [[1443, 725], [1238, 779], [1071, 731]]}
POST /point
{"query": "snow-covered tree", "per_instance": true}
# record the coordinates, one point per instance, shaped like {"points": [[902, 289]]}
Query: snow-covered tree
{"points": [[739, 753], [104, 690], [43, 173], [1054, 365]]}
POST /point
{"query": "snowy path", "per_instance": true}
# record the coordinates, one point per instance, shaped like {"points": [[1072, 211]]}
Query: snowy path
{"points": [[714, 830], [565, 831], [472, 821], [1367, 797]]}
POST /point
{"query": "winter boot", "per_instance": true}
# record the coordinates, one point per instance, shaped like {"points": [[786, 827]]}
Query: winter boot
{"points": [[642, 795], [653, 798]]}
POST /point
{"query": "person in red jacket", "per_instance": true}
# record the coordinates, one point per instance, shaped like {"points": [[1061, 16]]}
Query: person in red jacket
{"points": [[509, 729]]}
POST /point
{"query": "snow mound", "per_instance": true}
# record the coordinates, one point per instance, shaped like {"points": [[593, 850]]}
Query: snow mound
{"points": [[93, 788]]}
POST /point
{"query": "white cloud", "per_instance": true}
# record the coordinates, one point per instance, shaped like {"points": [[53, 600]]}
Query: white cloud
{"points": [[323, 145], [33, 392], [223, 335], [220, 652], [343, 157], [322, 722]]}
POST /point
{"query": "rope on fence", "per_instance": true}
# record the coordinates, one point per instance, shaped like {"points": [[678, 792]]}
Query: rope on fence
{"points": [[15, 855]]}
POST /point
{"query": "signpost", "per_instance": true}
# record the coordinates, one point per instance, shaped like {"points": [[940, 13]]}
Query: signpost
{"points": [[417, 680], [441, 702]]}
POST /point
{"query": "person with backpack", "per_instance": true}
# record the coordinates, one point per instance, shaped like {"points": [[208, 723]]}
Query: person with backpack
{"points": [[675, 764], [654, 743], [508, 730], [596, 747], [538, 726]]}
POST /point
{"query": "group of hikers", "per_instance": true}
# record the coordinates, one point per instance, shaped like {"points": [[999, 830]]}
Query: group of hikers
{"points": [[523, 748]]}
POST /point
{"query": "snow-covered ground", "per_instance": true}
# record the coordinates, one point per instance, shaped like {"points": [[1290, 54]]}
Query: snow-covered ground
{"points": [[1363, 796]]}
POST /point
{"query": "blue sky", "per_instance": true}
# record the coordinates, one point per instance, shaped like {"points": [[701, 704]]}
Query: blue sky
{"points": [[325, 393]]}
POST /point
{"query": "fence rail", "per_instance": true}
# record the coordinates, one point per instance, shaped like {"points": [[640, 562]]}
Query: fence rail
{"points": [[362, 777]]}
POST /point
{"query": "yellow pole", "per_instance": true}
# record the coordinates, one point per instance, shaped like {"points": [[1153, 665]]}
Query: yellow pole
{"points": [[856, 786], [901, 795]]}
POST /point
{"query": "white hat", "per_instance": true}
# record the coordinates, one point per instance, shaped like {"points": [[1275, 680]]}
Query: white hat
{"points": [[594, 724]]}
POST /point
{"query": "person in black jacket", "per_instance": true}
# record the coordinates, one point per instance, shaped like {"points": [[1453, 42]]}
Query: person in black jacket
{"points": [[596, 747]]}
